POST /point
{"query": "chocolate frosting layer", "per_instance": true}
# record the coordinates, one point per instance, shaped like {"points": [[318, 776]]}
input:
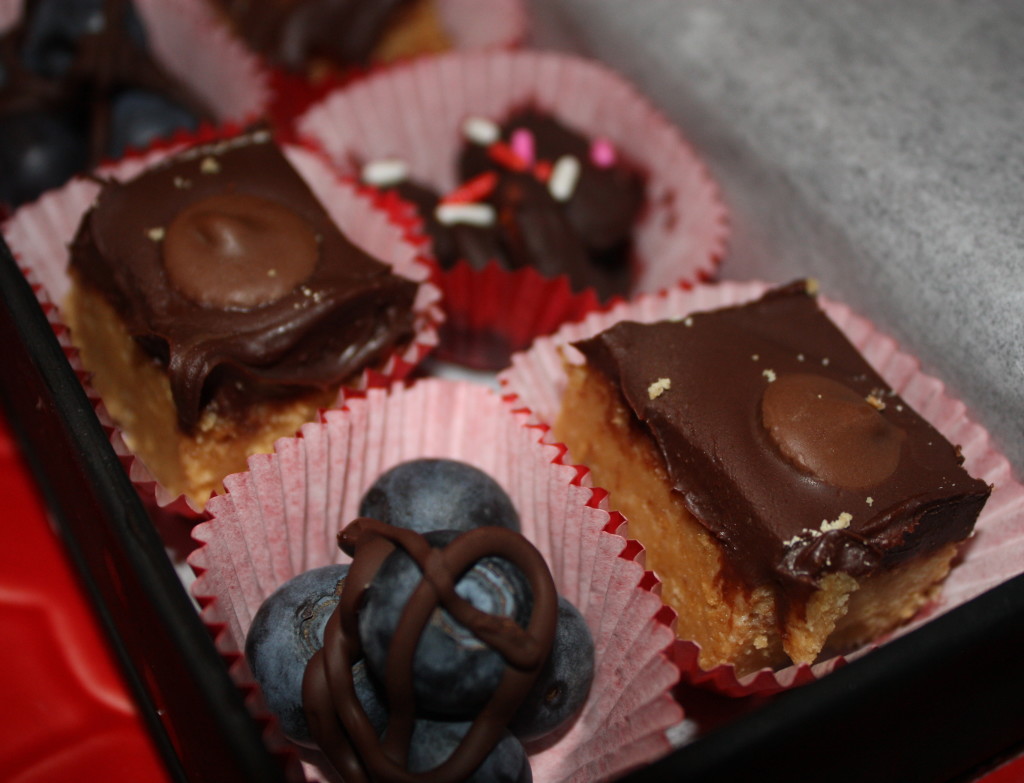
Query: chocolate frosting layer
{"points": [[785, 443], [290, 33], [336, 719], [304, 311]]}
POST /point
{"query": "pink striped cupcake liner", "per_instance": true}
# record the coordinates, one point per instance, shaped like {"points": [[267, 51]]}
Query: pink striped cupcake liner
{"points": [[536, 379], [281, 517]]}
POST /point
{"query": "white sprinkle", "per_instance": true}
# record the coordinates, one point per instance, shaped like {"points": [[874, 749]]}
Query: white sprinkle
{"points": [[688, 321], [564, 177], [875, 402], [840, 523], [156, 234], [209, 165], [271, 273], [384, 172], [799, 357], [181, 183], [824, 362], [755, 356], [659, 387], [870, 500], [481, 130], [769, 374], [470, 214]]}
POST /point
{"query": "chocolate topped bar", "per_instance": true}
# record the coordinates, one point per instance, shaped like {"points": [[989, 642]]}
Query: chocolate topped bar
{"points": [[785, 443], [229, 273], [291, 32]]}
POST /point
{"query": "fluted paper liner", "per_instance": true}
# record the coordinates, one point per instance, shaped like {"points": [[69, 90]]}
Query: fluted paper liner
{"points": [[415, 112], [39, 234], [537, 379], [281, 517]]}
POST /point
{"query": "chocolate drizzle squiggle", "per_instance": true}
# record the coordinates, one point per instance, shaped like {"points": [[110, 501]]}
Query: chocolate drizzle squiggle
{"points": [[336, 719]]}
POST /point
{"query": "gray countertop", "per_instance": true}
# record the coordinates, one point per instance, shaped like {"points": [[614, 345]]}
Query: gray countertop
{"points": [[875, 145]]}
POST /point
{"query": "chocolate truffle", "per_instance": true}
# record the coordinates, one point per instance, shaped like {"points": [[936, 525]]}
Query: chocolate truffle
{"points": [[534, 193]]}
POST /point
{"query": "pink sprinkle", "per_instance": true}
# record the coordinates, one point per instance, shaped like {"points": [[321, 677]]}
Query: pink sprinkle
{"points": [[602, 153], [522, 145]]}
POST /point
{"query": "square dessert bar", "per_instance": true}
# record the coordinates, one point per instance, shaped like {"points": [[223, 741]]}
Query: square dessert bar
{"points": [[790, 501], [218, 307]]}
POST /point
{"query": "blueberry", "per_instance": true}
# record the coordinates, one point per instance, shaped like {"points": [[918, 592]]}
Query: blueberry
{"points": [[454, 673], [434, 741], [38, 151], [52, 33], [53, 30], [139, 117], [285, 632], [563, 684], [438, 494]]}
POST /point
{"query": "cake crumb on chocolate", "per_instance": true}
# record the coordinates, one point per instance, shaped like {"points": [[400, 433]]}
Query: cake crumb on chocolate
{"points": [[839, 523], [659, 387], [875, 402]]}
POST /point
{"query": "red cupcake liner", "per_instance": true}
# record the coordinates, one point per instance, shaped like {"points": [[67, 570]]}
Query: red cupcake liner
{"points": [[415, 111], [39, 233], [281, 517], [995, 552]]}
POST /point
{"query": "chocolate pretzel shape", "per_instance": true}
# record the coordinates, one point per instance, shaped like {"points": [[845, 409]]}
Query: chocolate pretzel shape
{"points": [[338, 721]]}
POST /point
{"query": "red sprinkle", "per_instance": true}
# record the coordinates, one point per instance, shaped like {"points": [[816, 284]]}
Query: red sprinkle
{"points": [[542, 170], [506, 156], [480, 187]]}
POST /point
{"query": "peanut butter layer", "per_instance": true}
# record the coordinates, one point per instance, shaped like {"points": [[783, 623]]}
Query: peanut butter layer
{"points": [[785, 444]]}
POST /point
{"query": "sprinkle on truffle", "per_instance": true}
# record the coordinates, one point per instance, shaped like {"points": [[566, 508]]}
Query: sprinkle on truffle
{"points": [[209, 165], [602, 153], [384, 172], [769, 374], [481, 130], [522, 143], [469, 214], [564, 177], [156, 234], [659, 387]]}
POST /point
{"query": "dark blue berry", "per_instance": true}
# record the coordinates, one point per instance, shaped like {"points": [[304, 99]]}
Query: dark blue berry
{"points": [[38, 151], [53, 31], [285, 632], [138, 118], [434, 741], [454, 673], [438, 494], [562, 686]]}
